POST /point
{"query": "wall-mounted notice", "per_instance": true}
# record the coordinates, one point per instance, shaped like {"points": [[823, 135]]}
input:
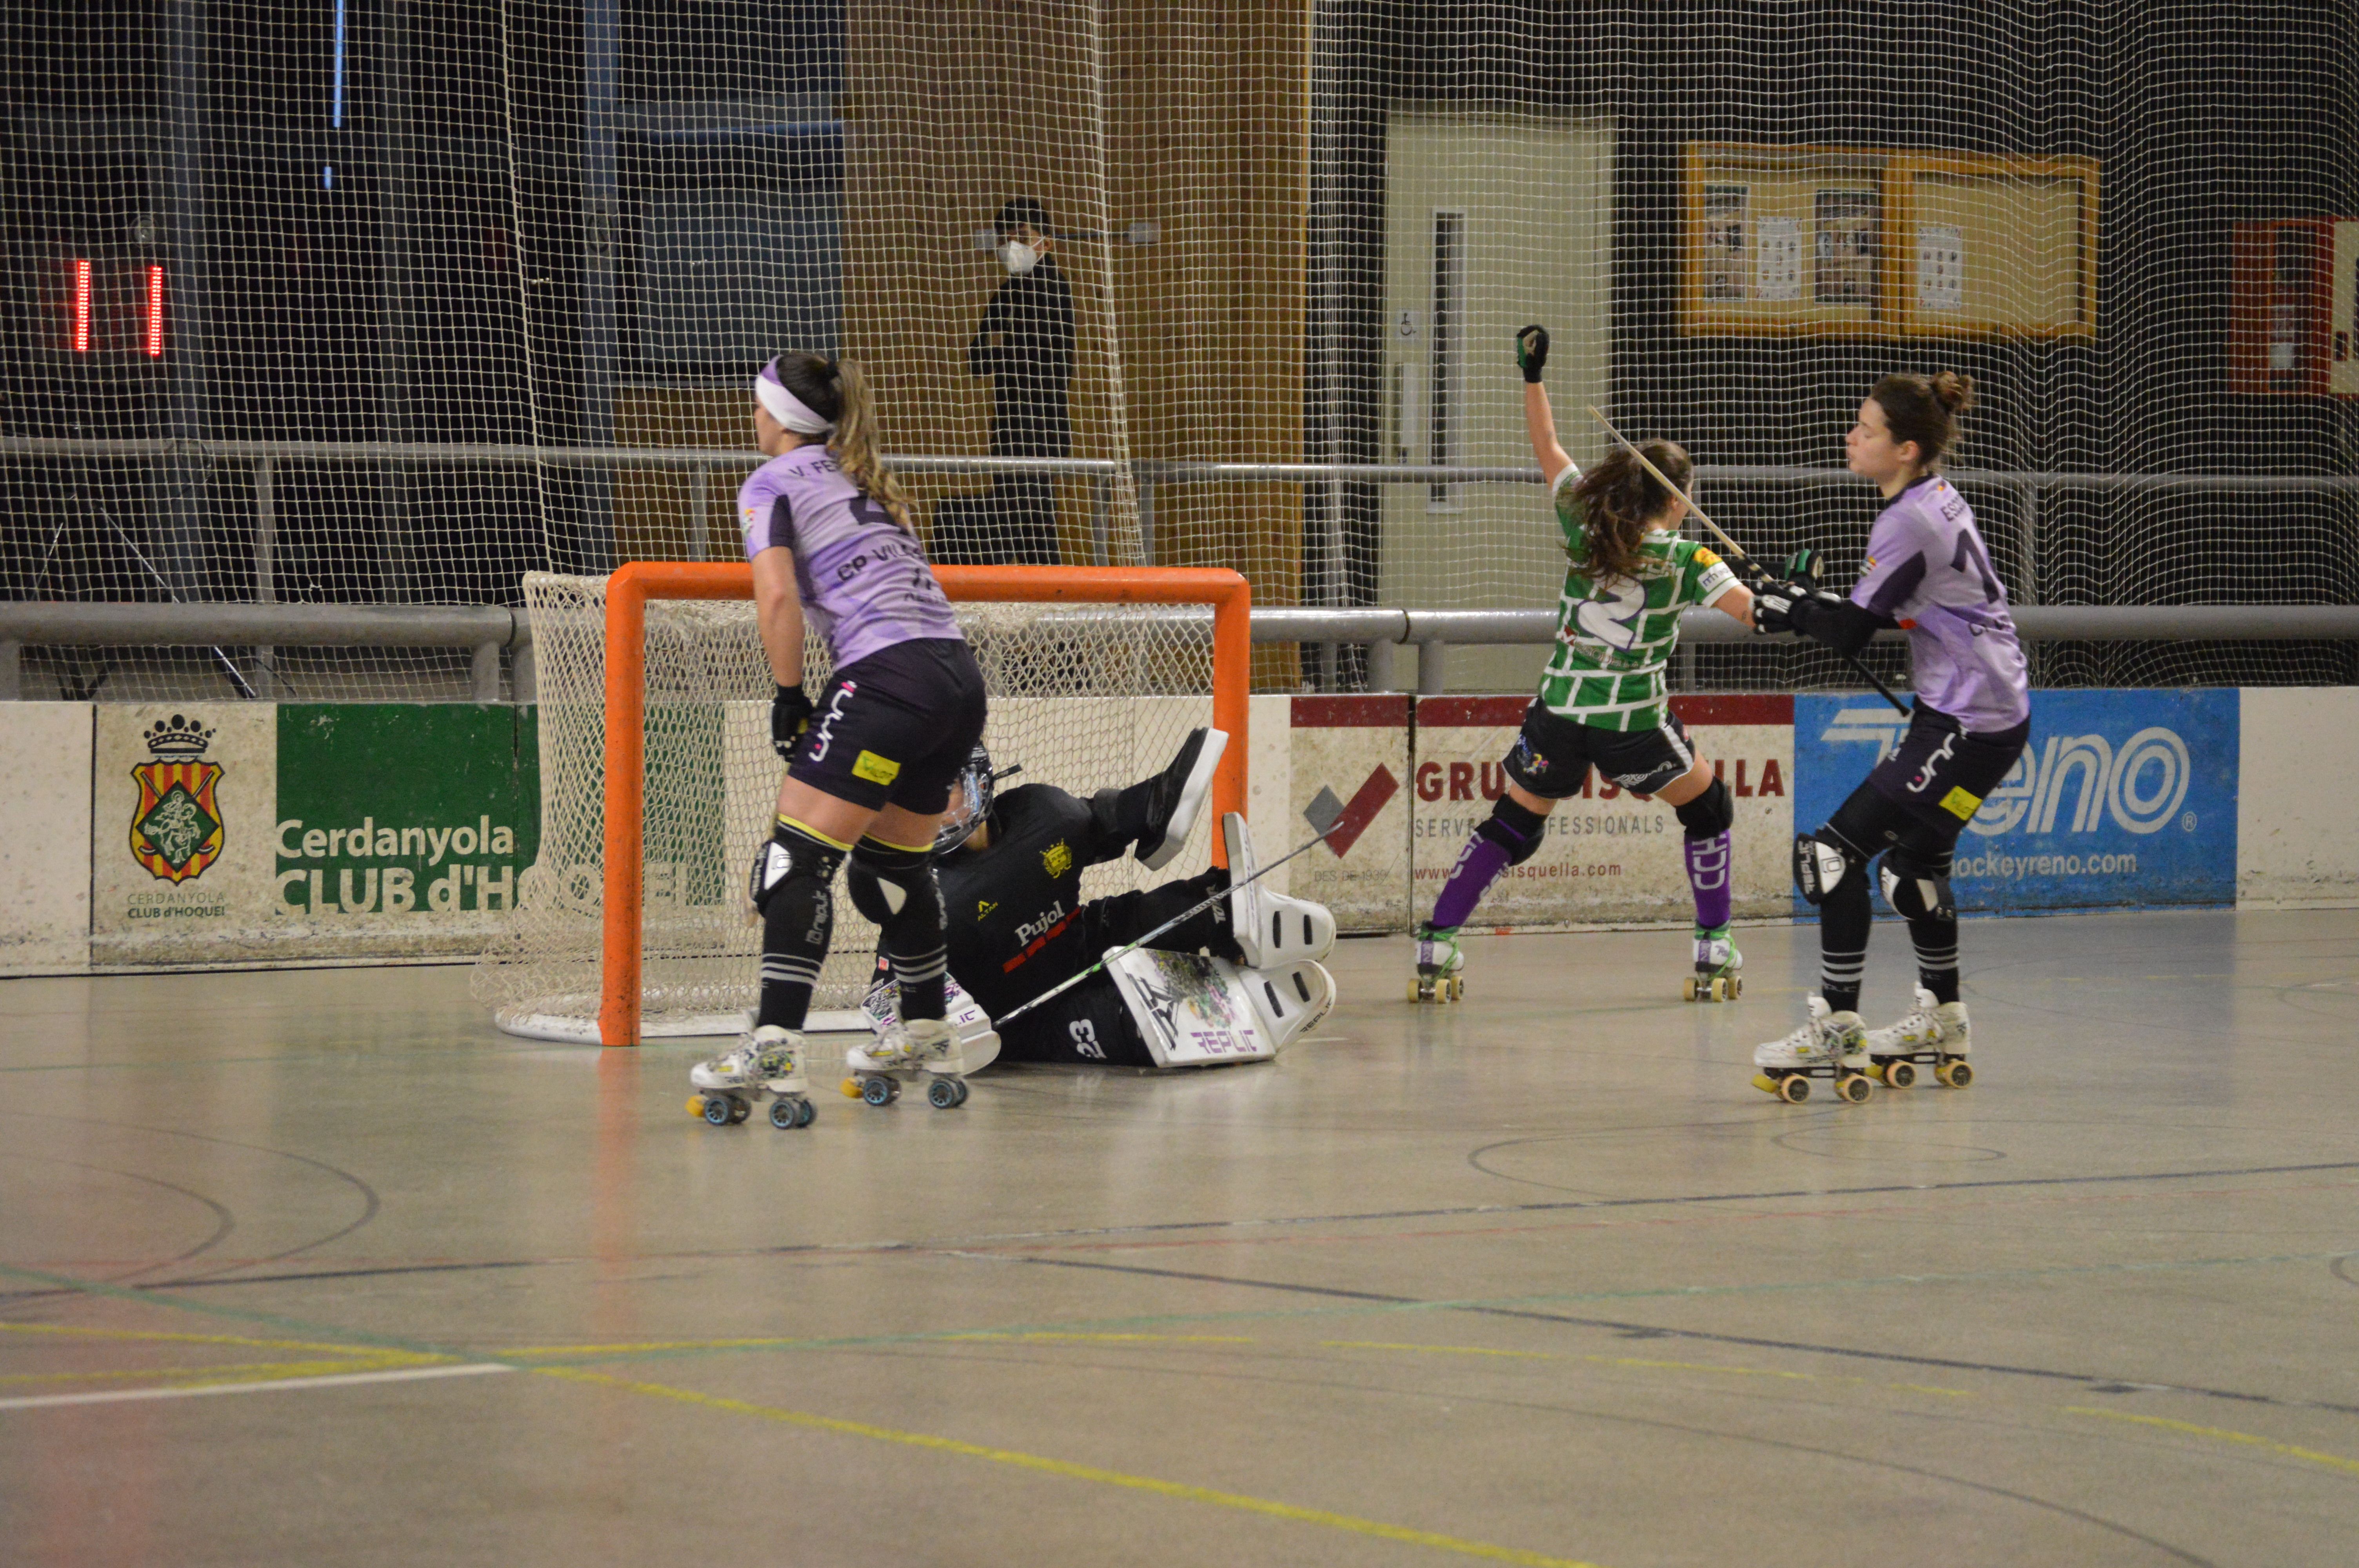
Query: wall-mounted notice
{"points": [[1724, 240], [1941, 267], [1777, 271]]}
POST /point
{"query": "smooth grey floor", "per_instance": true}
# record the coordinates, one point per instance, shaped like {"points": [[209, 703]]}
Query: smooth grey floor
{"points": [[1537, 1279]]}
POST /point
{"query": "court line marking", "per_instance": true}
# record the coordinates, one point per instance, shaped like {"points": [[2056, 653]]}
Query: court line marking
{"points": [[273, 1368], [1349, 1523], [1646, 1363], [264, 1386], [2222, 1434], [130, 1334]]}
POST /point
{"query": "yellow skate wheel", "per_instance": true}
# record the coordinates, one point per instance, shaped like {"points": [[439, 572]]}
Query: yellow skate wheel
{"points": [[1720, 990], [1417, 991], [851, 1087], [1457, 988], [1954, 1073], [1794, 1088], [1688, 989], [1735, 986], [1896, 1075], [1854, 1087]]}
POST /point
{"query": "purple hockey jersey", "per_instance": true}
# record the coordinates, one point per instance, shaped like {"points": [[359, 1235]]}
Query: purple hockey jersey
{"points": [[1926, 568], [864, 582]]}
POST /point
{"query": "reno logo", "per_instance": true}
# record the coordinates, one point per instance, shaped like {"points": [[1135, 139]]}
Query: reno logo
{"points": [[2121, 798]]}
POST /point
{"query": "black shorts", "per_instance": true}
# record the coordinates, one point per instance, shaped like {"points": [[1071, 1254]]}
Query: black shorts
{"points": [[1553, 755], [1940, 775], [896, 726]]}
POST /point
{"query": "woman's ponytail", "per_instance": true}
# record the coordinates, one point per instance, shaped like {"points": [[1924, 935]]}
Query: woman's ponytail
{"points": [[853, 442]]}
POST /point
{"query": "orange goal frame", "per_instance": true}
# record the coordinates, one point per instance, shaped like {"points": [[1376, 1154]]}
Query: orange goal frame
{"points": [[630, 588]]}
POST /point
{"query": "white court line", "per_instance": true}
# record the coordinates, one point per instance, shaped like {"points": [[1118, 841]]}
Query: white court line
{"points": [[338, 1381]]}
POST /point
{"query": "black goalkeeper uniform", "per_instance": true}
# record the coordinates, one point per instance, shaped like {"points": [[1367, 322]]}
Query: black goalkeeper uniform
{"points": [[1018, 927]]}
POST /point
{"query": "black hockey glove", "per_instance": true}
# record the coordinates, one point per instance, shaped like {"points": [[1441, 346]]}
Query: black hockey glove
{"points": [[1531, 353], [790, 715], [1787, 608], [1802, 568]]}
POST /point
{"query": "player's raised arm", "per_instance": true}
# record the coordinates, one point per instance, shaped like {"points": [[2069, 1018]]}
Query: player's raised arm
{"points": [[1540, 420]]}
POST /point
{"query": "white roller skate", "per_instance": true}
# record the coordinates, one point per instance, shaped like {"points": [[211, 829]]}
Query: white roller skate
{"points": [[767, 1061], [1934, 1034], [922, 1049], [1830, 1046], [1439, 961], [1719, 968]]}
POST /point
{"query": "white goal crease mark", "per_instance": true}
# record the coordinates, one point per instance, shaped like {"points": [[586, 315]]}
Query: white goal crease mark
{"points": [[266, 1386]]}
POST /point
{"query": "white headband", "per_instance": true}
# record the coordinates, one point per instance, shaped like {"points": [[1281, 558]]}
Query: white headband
{"points": [[788, 409]]}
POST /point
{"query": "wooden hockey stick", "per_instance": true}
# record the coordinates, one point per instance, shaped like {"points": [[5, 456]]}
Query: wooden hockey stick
{"points": [[1735, 549]]}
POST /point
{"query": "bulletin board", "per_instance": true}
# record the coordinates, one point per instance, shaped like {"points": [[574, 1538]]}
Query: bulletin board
{"points": [[1875, 242]]}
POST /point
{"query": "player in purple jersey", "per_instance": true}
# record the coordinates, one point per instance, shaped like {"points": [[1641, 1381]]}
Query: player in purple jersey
{"points": [[1926, 572], [870, 764]]}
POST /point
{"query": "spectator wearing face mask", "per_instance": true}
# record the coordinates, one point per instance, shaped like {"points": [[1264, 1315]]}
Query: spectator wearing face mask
{"points": [[1024, 346]]}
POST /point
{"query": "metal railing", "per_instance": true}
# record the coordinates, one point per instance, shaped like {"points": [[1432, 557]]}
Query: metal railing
{"points": [[2027, 486], [486, 631]]}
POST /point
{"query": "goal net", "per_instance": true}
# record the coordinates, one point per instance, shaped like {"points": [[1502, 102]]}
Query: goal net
{"points": [[1086, 694]]}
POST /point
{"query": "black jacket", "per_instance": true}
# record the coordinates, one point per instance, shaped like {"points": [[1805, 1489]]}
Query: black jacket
{"points": [[1025, 344]]}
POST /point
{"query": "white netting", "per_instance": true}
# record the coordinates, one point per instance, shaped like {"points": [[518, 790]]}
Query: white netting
{"points": [[436, 286], [1083, 697]]}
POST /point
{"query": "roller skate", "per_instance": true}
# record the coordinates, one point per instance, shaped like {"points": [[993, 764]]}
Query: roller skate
{"points": [[1439, 961], [1933, 1034], [1830, 1046], [768, 1060], [1719, 968], [923, 1050]]}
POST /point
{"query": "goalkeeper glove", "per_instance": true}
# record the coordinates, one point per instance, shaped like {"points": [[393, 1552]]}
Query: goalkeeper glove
{"points": [[790, 715], [1531, 353]]}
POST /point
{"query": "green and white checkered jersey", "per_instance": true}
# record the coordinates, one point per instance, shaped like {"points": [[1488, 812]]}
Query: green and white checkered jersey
{"points": [[1615, 636]]}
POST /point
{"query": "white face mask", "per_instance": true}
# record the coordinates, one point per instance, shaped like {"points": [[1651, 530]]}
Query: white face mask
{"points": [[1017, 257]]}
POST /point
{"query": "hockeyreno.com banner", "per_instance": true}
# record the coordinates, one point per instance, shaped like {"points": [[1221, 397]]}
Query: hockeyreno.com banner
{"points": [[2122, 797]]}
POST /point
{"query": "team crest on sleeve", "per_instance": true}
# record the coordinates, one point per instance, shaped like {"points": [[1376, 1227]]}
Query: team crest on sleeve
{"points": [[176, 829], [1057, 859]]}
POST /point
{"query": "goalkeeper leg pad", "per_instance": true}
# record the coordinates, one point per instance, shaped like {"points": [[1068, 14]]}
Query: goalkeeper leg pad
{"points": [[1271, 928], [1175, 799], [1196, 1011]]}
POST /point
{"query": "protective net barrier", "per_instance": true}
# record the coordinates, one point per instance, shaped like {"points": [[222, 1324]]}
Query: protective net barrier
{"points": [[1082, 697], [395, 303]]}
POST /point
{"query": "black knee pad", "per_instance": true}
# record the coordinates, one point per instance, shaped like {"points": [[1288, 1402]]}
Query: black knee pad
{"points": [[1917, 885], [1821, 860], [795, 862], [1709, 814], [1515, 828], [895, 887]]}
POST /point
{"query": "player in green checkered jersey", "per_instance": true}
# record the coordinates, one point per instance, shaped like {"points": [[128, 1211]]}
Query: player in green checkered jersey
{"points": [[1603, 700]]}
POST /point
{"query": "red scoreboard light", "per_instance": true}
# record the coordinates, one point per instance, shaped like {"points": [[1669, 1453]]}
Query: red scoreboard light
{"points": [[2292, 283], [108, 310]]}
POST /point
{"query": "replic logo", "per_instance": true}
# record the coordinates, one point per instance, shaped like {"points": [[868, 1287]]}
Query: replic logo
{"points": [[825, 735], [2065, 784]]}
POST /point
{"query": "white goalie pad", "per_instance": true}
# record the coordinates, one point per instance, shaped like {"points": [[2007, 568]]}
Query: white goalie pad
{"points": [[1199, 1012], [1271, 928], [977, 1041]]}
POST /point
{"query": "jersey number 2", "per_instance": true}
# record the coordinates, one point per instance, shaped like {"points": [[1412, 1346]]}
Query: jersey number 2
{"points": [[1613, 617]]}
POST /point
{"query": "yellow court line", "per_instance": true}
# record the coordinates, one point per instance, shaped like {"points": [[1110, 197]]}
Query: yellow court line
{"points": [[2309, 1455], [1641, 1361], [278, 1368], [1107, 1339], [1016, 1457], [652, 1344], [131, 1335], [1438, 1349]]}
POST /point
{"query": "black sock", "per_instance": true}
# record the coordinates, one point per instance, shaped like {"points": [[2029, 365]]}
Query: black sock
{"points": [[1936, 939], [1843, 921], [794, 881]]}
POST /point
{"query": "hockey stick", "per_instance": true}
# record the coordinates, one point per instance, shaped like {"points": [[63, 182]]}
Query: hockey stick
{"points": [[1187, 914], [1735, 549]]}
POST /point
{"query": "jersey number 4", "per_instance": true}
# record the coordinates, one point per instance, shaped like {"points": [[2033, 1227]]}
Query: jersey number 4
{"points": [[1613, 617], [1968, 558]]}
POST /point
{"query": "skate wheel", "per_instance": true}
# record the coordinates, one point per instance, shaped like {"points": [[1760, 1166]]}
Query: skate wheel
{"points": [[1457, 988], [739, 1108], [1954, 1073], [1687, 989], [714, 1108], [1735, 986], [942, 1094], [963, 1091], [1720, 991], [1419, 991], [1896, 1075], [790, 1110], [1793, 1088], [879, 1091], [1854, 1087]]}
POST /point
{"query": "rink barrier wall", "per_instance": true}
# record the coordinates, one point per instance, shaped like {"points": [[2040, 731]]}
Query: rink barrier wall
{"points": [[209, 835]]}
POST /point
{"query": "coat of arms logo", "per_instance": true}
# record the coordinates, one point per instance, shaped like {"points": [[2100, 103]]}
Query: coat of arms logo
{"points": [[176, 829]]}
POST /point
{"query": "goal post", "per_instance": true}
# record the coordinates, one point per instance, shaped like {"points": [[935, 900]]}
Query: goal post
{"points": [[632, 587]]}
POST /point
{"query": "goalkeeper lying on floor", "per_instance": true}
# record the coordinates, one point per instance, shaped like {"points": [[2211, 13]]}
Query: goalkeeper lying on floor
{"points": [[1011, 866]]}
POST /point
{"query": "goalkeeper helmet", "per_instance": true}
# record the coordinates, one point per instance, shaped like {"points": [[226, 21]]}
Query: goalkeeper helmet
{"points": [[971, 795]]}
